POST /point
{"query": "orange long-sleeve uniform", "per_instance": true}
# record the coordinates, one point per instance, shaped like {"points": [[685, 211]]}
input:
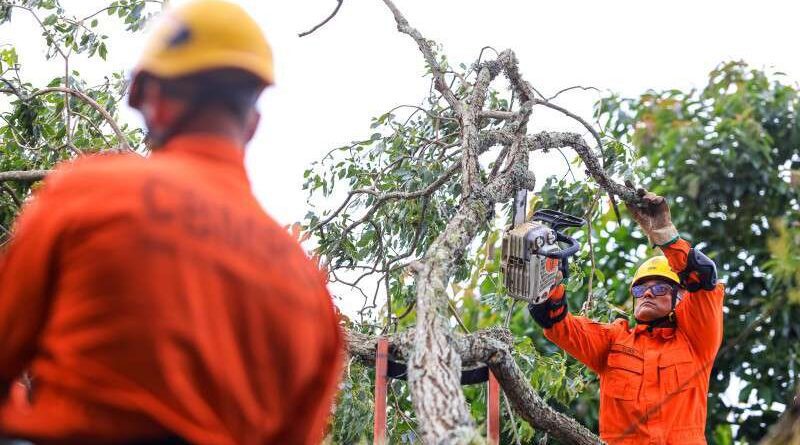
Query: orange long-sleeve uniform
{"points": [[653, 383], [154, 297]]}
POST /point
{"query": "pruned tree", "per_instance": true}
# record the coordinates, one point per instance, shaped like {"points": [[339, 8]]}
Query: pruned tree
{"points": [[420, 191]]}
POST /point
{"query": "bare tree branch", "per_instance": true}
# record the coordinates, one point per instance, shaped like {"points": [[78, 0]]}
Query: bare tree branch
{"points": [[24, 175], [321, 24], [425, 47]]}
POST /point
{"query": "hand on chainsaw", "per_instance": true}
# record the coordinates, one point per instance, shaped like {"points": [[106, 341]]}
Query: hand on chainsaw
{"points": [[654, 218], [552, 310]]}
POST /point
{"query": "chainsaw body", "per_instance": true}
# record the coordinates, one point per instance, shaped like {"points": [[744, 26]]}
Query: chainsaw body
{"points": [[532, 254]]}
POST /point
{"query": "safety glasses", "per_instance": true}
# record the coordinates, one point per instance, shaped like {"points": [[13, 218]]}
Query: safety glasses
{"points": [[658, 290]]}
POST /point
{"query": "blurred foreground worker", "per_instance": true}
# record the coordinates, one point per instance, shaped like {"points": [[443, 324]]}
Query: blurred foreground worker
{"points": [[654, 375], [152, 298]]}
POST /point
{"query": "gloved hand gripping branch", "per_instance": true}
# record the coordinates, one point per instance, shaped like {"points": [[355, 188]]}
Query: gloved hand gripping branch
{"points": [[654, 218]]}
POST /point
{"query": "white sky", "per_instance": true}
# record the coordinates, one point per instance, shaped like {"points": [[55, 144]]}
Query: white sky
{"points": [[330, 84]]}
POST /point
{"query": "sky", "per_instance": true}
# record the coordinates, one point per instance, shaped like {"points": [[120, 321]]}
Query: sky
{"points": [[329, 84]]}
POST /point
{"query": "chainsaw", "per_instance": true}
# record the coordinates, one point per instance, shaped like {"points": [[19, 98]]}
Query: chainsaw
{"points": [[532, 252]]}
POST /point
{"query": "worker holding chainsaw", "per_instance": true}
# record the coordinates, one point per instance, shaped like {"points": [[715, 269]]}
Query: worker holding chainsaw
{"points": [[654, 375], [152, 299]]}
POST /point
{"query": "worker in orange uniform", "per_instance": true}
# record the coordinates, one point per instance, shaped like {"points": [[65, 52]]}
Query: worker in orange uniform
{"points": [[654, 375], [153, 300]]}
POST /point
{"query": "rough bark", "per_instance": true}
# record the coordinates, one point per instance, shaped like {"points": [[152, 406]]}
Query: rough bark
{"points": [[434, 368], [23, 175], [490, 347]]}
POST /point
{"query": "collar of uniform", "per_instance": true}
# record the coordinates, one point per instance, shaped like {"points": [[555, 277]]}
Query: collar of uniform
{"points": [[663, 332], [210, 146]]}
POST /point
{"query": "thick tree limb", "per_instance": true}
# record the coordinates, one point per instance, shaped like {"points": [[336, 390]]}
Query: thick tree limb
{"points": [[434, 367], [493, 347], [362, 346], [527, 403], [527, 92], [24, 175]]}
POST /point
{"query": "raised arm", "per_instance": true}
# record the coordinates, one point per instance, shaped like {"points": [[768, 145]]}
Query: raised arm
{"points": [[699, 314], [586, 340]]}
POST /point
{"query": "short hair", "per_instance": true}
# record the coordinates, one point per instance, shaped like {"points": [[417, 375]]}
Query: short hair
{"points": [[234, 89]]}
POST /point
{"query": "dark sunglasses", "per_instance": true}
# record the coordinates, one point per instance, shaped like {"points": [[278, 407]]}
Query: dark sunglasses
{"points": [[658, 290]]}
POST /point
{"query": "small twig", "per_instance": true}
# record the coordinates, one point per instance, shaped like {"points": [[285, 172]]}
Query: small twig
{"points": [[511, 415], [322, 23], [406, 312], [95, 127], [457, 317], [569, 167], [510, 313], [67, 116], [575, 87], [587, 306], [11, 193], [406, 419]]}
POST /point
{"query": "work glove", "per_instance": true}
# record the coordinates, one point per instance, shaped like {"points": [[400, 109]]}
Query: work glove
{"points": [[654, 218], [552, 310]]}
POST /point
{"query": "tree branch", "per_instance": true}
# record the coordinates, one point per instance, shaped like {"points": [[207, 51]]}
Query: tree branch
{"points": [[321, 24], [24, 175], [486, 347], [425, 47]]}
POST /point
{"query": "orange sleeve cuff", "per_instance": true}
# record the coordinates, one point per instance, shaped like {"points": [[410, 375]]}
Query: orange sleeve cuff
{"points": [[677, 254]]}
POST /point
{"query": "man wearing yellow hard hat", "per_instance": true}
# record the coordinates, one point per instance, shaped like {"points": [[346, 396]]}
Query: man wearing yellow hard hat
{"points": [[152, 299], [654, 375]]}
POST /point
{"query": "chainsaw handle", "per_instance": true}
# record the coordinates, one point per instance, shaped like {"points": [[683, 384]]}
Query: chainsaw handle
{"points": [[564, 254]]}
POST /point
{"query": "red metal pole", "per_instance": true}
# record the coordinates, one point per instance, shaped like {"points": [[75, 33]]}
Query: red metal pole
{"points": [[381, 357], [493, 411]]}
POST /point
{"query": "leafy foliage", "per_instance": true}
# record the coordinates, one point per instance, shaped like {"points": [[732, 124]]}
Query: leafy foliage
{"points": [[38, 130]]}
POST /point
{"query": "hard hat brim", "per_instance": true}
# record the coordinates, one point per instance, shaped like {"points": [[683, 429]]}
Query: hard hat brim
{"points": [[192, 63]]}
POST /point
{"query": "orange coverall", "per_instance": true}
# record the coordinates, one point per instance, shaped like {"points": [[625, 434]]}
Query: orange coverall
{"points": [[154, 297], [653, 383]]}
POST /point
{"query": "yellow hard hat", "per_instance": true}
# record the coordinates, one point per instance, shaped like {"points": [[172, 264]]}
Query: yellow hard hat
{"points": [[205, 35], [657, 266]]}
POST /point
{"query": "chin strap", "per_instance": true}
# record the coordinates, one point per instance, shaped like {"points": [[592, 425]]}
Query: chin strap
{"points": [[667, 321]]}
